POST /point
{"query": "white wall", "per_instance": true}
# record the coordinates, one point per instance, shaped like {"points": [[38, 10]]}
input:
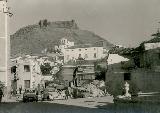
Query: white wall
{"points": [[70, 54], [34, 75], [149, 46], [64, 44], [115, 58]]}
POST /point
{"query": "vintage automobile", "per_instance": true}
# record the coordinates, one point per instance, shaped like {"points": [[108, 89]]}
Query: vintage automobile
{"points": [[30, 95]]}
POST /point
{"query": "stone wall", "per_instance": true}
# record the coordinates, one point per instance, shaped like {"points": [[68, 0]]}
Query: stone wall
{"points": [[147, 80], [144, 80], [65, 24]]}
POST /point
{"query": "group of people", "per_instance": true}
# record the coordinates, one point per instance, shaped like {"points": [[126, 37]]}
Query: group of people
{"points": [[16, 91]]}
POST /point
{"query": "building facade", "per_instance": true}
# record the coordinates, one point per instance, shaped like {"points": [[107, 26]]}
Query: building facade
{"points": [[83, 51], [150, 57], [26, 71], [142, 76], [85, 72], [64, 43]]}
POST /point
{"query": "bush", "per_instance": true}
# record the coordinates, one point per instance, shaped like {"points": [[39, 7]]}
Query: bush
{"points": [[46, 68], [100, 73]]}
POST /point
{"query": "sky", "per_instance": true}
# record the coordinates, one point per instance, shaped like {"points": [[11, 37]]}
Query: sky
{"points": [[121, 22]]}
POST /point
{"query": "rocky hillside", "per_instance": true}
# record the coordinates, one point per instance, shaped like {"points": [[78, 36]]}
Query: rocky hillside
{"points": [[33, 39]]}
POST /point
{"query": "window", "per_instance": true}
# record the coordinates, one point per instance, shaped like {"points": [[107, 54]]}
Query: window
{"points": [[26, 68], [127, 76], [85, 49], [72, 50], [79, 49], [13, 69], [26, 83], [95, 55], [94, 48]]}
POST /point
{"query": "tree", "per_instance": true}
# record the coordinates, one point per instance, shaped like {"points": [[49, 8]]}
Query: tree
{"points": [[46, 69], [100, 72]]}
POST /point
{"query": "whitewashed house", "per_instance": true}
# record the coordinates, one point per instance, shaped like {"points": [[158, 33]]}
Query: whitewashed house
{"points": [[26, 71], [64, 43], [86, 52]]}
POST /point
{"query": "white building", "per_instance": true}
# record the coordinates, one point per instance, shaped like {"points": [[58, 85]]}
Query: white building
{"points": [[26, 71], [64, 43], [115, 58], [86, 52], [149, 46]]}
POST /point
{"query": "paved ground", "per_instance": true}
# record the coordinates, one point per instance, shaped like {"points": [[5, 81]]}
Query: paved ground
{"points": [[86, 102], [93, 105]]}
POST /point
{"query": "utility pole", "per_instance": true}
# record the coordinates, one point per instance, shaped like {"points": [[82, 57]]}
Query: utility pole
{"points": [[4, 46]]}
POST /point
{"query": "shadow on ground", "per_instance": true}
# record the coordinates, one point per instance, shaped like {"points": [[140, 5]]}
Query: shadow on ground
{"points": [[40, 107], [131, 107]]}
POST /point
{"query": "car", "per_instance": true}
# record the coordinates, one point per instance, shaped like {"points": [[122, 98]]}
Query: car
{"points": [[30, 95]]}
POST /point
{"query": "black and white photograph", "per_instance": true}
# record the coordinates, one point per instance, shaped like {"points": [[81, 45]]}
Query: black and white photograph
{"points": [[79, 56]]}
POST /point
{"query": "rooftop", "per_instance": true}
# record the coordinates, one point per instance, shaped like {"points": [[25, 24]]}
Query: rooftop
{"points": [[83, 46], [154, 40]]}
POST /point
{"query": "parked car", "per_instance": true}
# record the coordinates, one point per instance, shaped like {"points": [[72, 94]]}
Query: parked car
{"points": [[30, 95]]}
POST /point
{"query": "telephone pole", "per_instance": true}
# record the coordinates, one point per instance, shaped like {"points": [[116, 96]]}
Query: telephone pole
{"points": [[4, 47]]}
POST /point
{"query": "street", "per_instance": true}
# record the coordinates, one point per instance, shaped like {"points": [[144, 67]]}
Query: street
{"points": [[44, 108], [59, 108], [84, 105]]}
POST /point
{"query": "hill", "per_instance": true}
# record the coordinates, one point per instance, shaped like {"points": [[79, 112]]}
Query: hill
{"points": [[33, 39]]}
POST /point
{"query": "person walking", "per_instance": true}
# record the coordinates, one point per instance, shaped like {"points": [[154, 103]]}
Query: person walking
{"points": [[20, 89], [1, 94], [67, 94]]}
